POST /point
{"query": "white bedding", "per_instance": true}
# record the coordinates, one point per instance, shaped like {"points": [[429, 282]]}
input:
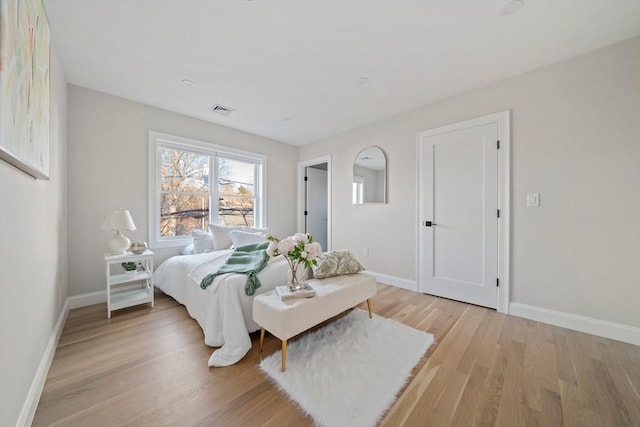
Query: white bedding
{"points": [[223, 310]]}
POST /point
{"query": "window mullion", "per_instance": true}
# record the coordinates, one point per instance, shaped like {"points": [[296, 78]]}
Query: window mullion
{"points": [[158, 187], [257, 212], [214, 191]]}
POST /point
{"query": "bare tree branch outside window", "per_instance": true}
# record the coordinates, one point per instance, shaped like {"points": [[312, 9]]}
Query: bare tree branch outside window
{"points": [[185, 193]]}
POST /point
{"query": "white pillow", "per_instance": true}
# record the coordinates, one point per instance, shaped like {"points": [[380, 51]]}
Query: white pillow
{"points": [[202, 241], [222, 235], [188, 250], [241, 238]]}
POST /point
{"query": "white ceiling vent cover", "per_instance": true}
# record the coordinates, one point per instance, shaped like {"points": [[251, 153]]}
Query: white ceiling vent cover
{"points": [[221, 109]]}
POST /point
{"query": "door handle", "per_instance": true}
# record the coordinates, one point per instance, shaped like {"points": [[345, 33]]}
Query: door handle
{"points": [[429, 223]]}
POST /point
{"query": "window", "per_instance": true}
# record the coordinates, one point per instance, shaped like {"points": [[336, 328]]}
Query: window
{"points": [[193, 184]]}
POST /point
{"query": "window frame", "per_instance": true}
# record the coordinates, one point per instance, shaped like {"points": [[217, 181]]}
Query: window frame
{"points": [[161, 140]]}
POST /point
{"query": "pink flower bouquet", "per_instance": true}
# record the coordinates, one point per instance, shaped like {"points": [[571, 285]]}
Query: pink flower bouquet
{"points": [[297, 249]]}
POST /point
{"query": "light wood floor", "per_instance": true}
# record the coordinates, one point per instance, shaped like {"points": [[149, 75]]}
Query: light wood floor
{"points": [[148, 367]]}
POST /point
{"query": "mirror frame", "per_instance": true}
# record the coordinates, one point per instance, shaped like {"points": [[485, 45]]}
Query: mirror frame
{"points": [[384, 176]]}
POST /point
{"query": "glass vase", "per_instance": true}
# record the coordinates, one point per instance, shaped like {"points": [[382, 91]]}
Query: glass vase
{"points": [[292, 278]]}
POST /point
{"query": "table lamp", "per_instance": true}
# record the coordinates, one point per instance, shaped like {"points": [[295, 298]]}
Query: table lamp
{"points": [[118, 221]]}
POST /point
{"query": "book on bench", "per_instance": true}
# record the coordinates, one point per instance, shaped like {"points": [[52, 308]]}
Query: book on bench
{"points": [[305, 291]]}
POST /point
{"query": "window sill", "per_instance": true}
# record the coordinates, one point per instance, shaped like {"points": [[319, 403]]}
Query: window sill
{"points": [[164, 244]]}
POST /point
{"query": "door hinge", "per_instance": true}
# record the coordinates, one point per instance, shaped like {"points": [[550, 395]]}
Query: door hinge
{"points": [[306, 213], [306, 178], [497, 282], [498, 144], [498, 213]]}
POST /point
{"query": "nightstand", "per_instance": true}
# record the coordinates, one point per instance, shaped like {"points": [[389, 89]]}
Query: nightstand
{"points": [[125, 290]]}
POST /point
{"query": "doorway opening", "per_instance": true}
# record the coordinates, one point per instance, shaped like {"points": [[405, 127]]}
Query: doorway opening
{"points": [[314, 199]]}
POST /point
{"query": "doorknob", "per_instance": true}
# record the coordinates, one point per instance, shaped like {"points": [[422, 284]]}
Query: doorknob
{"points": [[428, 223]]}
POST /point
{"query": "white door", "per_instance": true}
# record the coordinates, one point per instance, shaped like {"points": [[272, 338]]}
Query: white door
{"points": [[459, 208], [316, 205]]}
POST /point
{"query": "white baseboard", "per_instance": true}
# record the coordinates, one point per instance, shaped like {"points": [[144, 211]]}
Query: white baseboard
{"points": [[394, 280], [84, 300], [602, 328], [35, 391]]}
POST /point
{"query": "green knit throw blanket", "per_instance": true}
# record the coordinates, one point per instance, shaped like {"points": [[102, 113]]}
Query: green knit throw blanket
{"points": [[249, 260]]}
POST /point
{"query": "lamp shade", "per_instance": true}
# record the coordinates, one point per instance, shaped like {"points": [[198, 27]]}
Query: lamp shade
{"points": [[119, 220]]}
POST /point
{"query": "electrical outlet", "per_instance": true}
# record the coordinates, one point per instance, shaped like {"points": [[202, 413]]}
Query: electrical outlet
{"points": [[533, 200], [365, 252]]}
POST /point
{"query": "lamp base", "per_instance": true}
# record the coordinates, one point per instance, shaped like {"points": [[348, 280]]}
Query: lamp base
{"points": [[119, 244]]}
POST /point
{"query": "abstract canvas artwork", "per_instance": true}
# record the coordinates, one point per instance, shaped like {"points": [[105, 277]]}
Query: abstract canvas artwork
{"points": [[24, 86]]}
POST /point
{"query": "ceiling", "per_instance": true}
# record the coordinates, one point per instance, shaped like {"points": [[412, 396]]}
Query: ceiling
{"points": [[291, 70]]}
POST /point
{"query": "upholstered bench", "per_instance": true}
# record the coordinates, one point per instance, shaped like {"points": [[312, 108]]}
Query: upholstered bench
{"points": [[286, 319]]}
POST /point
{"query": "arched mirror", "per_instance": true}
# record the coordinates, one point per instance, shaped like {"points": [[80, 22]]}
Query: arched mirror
{"points": [[370, 176]]}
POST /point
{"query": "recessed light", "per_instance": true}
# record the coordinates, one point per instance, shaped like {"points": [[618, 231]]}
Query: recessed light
{"points": [[363, 80], [187, 82], [512, 7]]}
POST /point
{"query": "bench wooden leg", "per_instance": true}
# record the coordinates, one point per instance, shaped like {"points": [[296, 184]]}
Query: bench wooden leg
{"points": [[369, 307], [261, 338], [284, 354]]}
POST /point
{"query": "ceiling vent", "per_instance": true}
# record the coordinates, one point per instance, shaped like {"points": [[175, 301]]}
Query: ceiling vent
{"points": [[221, 109]]}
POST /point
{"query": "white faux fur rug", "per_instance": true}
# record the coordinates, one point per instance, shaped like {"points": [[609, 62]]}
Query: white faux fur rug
{"points": [[349, 372]]}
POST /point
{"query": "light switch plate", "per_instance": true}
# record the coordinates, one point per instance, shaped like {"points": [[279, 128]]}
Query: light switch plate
{"points": [[533, 200]]}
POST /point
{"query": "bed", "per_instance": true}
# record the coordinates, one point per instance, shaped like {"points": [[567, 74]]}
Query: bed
{"points": [[223, 310]]}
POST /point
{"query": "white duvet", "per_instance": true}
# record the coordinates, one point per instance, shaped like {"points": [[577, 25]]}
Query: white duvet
{"points": [[223, 310]]}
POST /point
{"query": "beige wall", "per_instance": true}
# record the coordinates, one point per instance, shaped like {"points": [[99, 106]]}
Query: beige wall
{"points": [[33, 263], [108, 150], [575, 140]]}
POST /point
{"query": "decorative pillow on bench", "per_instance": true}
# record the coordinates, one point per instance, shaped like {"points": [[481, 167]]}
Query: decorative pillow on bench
{"points": [[336, 263]]}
